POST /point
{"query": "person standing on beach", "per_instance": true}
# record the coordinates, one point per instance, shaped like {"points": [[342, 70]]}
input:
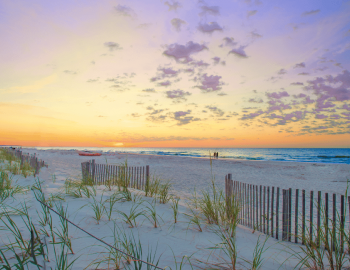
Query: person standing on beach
{"points": [[217, 154]]}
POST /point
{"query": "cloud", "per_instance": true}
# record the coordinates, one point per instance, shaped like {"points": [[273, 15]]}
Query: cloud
{"points": [[209, 27], [304, 73], [251, 13], [218, 112], [251, 115], [311, 12], [183, 51], [282, 71], [239, 52], [71, 72], [222, 94], [166, 83], [216, 60], [124, 10], [199, 64], [177, 23], [296, 83], [300, 65], [112, 45], [330, 89], [255, 100], [229, 41], [301, 95], [211, 10], [254, 34], [173, 5], [278, 95], [346, 107], [321, 116], [182, 118], [168, 72], [149, 90], [92, 80], [178, 95], [210, 83]]}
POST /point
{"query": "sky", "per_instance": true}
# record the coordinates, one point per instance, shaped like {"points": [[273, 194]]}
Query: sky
{"points": [[229, 73]]}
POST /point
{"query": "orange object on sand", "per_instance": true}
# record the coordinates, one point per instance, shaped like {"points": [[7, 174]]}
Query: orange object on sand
{"points": [[89, 154]]}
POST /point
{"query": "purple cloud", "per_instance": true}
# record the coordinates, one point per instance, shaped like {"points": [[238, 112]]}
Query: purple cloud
{"points": [[251, 115], [255, 100], [254, 34], [300, 65], [184, 51], [312, 12], [337, 87], [183, 119], [251, 13], [301, 95], [177, 23], [199, 63], [112, 45], [229, 41], [168, 72], [218, 112], [346, 107], [296, 83], [149, 90], [216, 60], [124, 10], [321, 116], [239, 52], [174, 5], [177, 94], [211, 10], [209, 27], [282, 71], [303, 73], [210, 83], [166, 83], [277, 95]]}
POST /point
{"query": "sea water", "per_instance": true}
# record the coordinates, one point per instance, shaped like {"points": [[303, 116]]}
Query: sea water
{"points": [[319, 155]]}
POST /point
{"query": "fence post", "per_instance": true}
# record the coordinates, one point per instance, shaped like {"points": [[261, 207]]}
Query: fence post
{"points": [[93, 170], [284, 215], [272, 203], [277, 210], [260, 213], [334, 221], [303, 217], [290, 215], [311, 213], [296, 214], [268, 210], [326, 215], [147, 178], [342, 219], [318, 217]]}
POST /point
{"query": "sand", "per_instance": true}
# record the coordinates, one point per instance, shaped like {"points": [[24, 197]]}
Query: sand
{"points": [[171, 239]]}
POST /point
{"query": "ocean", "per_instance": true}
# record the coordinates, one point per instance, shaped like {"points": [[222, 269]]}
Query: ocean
{"points": [[319, 155]]}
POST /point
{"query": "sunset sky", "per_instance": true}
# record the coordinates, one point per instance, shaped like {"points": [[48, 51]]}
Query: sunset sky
{"points": [[229, 73]]}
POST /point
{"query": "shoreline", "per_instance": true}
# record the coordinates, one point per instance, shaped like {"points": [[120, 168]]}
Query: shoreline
{"points": [[196, 172], [189, 156]]}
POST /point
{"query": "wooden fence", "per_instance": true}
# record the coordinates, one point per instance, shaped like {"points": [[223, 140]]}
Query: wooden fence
{"points": [[288, 214], [32, 160], [102, 174]]}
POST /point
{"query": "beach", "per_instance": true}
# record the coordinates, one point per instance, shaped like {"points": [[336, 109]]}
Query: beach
{"points": [[187, 173], [169, 240]]}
